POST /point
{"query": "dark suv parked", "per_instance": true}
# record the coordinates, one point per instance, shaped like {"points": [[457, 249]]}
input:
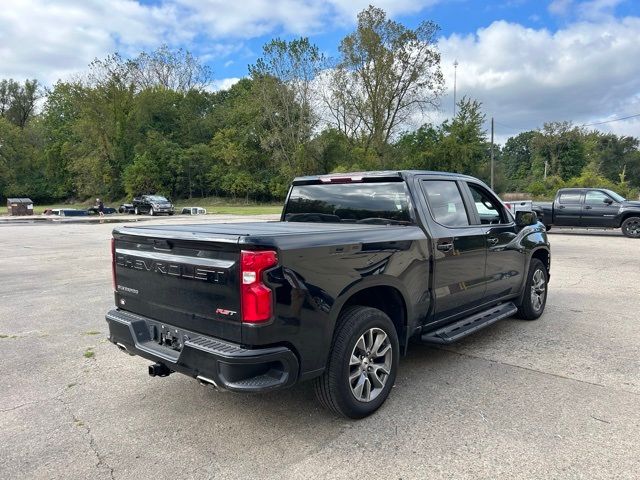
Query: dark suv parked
{"points": [[153, 205]]}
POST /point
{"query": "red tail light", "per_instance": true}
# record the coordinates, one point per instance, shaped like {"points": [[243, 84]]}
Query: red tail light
{"points": [[256, 297], [113, 263]]}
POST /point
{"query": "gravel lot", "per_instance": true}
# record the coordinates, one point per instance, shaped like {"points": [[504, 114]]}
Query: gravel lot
{"points": [[555, 398]]}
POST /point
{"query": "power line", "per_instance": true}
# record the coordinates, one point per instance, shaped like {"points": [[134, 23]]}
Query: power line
{"points": [[609, 121], [515, 129], [579, 126]]}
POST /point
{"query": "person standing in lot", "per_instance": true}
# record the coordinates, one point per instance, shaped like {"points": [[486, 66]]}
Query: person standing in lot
{"points": [[100, 207]]}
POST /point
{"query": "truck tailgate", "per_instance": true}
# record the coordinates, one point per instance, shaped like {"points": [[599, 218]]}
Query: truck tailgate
{"points": [[188, 281]]}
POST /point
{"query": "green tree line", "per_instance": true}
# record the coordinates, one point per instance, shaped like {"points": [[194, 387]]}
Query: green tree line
{"points": [[151, 124]]}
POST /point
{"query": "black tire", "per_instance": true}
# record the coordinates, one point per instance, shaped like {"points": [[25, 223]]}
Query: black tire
{"points": [[334, 388], [152, 212], [530, 309], [121, 210], [631, 227], [548, 227]]}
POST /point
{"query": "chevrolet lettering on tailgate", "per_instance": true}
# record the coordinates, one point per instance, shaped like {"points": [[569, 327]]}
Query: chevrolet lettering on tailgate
{"points": [[194, 272]]}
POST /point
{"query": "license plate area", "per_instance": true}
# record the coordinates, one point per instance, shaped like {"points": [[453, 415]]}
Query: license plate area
{"points": [[168, 336]]}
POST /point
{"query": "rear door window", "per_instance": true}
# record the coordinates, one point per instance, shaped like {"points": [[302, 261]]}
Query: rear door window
{"points": [[445, 203], [570, 197]]}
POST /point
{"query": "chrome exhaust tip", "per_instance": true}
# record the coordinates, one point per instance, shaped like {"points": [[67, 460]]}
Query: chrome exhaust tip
{"points": [[207, 382]]}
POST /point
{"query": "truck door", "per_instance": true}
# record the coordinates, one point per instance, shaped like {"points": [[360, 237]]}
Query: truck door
{"points": [[599, 210], [567, 209], [505, 262], [459, 252]]}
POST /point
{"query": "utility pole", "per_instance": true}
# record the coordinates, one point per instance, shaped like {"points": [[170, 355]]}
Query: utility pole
{"points": [[491, 153], [455, 80]]}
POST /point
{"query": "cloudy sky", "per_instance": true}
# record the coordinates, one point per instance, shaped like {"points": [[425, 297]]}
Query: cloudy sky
{"points": [[528, 61]]}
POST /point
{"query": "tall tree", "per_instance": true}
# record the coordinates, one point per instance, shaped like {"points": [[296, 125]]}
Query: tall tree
{"points": [[176, 70], [560, 147], [283, 81], [612, 155], [386, 73], [18, 102], [517, 159], [462, 145]]}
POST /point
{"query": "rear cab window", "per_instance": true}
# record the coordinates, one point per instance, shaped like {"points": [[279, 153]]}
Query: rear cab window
{"points": [[359, 202]]}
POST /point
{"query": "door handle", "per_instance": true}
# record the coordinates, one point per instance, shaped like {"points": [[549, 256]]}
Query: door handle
{"points": [[560, 207], [492, 240], [444, 247], [587, 207]]}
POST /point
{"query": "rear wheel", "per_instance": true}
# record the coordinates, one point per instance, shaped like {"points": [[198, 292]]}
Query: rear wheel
{"points": [[631, 227], [535, 292], [548, 227], [362, 364]]}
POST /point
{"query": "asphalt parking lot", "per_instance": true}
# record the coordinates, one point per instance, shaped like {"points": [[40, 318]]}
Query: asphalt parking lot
{"points": [[554, 398]]}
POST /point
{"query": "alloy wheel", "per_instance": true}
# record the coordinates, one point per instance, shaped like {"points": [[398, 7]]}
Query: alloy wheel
{"points": [[370, 364], [633, 228], [538, 290]]}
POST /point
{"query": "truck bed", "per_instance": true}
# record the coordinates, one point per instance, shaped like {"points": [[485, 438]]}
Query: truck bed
{"points": [[249, 229], [188, 275]]}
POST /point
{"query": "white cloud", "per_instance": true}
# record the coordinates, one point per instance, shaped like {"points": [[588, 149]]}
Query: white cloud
{"points": [[348, 10], [49, 40], [252, 18], [560, 7], [585, 10], [224, 83], [597, 9], [585, 72]]}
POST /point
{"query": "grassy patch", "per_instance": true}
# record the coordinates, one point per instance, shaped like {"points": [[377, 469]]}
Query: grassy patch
{"points": [[230, 207], [89, 353], [71, 385], [218, 205], [92, 332], [246, 210], [2, 335]]}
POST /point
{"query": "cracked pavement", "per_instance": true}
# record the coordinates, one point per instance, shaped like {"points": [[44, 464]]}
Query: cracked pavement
{"points": [[554, 398]]}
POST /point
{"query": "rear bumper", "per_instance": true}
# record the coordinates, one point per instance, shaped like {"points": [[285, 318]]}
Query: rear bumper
{"points": [[229, 365]]}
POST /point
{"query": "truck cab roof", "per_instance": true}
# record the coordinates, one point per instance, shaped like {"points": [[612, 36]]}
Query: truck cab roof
{"points": [[374, 176]]}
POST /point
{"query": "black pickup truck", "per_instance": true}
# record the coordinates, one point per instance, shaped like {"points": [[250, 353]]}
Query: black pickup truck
{"points": [[152, 204], [591, 207], [357, 266]]}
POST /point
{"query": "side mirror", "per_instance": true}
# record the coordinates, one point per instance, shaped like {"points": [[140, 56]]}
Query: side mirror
{"points": [[524, 219], [608, 201]]}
